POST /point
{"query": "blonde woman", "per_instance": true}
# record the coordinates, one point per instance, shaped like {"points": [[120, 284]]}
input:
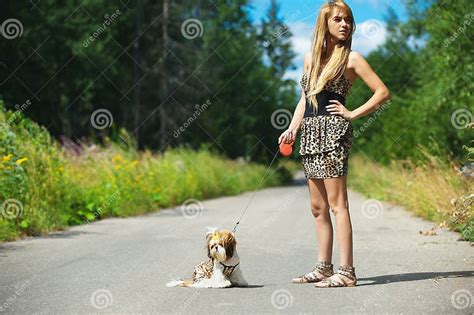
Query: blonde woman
{"points": [[330, 69]]}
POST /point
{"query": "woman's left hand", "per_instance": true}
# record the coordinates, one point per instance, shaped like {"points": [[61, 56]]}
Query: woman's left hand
{"points": [[336, 108]]}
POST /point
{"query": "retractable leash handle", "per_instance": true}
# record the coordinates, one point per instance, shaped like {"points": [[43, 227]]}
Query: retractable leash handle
{"points": [[285, 149]]}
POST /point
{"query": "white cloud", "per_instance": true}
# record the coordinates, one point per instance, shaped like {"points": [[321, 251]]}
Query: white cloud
{"points": [[301, 41], [416, 43], [368, 36]]}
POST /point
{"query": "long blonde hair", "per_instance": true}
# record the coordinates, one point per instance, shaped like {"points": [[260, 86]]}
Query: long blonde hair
{"points": [[337, 63]]}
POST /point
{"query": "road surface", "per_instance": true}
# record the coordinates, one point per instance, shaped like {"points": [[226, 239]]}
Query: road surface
{"points": [[122, 265]]}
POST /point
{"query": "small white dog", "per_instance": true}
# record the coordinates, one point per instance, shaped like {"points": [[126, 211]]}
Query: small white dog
{"points": [[222, 270]]}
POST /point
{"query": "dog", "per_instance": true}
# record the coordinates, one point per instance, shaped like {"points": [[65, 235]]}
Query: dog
{"points": [[222, 270]]}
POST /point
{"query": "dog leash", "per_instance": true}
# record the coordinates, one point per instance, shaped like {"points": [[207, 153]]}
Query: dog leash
{"points": [[261, 181]]}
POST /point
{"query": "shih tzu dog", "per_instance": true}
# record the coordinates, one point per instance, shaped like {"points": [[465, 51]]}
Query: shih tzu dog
{"points": [[222, 270]]}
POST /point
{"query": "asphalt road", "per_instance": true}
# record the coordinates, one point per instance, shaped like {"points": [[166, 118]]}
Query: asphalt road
{"points": [[122, 265]]}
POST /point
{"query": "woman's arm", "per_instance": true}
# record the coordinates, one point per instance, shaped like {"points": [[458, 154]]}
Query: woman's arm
{"points": [[367, 74], [298, 114]]}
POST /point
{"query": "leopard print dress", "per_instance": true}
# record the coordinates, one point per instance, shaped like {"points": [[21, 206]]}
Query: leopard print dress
{"points": [[326, 138]]}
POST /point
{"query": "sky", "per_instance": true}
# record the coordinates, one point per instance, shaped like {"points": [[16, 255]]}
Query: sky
{"points": [[300, 16]]}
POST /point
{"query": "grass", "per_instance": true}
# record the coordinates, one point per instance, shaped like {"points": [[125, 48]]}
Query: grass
{"points": [[45, 188], [434, 189]]}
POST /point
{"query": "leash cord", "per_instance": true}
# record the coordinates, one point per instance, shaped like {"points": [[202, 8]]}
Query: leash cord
{"points": [[258, 187]]}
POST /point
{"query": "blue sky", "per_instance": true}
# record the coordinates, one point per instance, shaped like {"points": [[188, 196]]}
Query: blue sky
{"points": [[300, 16]]}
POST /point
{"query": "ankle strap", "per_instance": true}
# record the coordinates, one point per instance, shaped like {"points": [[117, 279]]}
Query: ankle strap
{"points": [[347, 268], [324, 267], [348, 271], [325, 264]]}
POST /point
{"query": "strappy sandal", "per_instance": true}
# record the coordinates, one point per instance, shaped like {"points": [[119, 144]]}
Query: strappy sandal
{"points": [[322, 271], [337, 281]]}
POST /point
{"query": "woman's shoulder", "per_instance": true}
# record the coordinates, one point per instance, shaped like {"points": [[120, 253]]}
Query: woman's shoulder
{"points": [[355, 57]]}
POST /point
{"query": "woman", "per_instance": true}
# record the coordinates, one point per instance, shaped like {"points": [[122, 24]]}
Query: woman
{"points": [[330, 68]]}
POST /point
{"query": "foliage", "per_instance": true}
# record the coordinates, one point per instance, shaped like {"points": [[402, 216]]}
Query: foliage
{"points": [[427, 63], [150, 66], [44, 188]]}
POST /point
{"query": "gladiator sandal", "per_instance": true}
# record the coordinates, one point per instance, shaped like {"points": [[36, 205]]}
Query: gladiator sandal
{"points": [[344, 277], [322, 271]]}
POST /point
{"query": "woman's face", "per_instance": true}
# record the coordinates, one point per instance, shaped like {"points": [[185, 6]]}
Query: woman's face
{"points": [[340, 25]]}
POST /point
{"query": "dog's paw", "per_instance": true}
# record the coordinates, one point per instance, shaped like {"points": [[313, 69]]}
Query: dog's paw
{"points": [[202, 284], [223, 284]]}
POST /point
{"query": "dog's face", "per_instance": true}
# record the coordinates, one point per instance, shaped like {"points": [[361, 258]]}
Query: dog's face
{"points": [[220, 245]]}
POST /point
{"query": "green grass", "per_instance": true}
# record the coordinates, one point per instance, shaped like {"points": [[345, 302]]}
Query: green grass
{"points": [[434, 189], [44, 188]]}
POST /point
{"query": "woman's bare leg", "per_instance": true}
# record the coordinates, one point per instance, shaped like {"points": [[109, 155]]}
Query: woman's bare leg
{"points": [[336, 189], [320, 209]]}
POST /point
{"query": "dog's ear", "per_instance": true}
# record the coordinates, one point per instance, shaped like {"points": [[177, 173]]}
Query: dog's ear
{"points": [[209, 234], [208, 239], [208, 251], [229, 250], [230, 244]]}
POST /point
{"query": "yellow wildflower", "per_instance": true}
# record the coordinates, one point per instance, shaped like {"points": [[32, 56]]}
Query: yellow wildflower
{"points": [[117, 158], [18, 162], [7, 158], [135, 163]]}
